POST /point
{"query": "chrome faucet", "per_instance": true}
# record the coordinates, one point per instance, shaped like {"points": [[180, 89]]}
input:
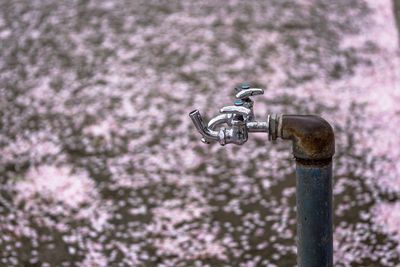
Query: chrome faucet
{"points": [[313, 143], [239, 118]]}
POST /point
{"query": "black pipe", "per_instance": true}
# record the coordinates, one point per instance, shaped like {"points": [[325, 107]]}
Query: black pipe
{"points": [[314, 215], [313, 147]]}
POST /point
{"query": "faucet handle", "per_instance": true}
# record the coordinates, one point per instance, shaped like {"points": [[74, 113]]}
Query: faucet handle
{"points": [[238, 110], [246, 93]]}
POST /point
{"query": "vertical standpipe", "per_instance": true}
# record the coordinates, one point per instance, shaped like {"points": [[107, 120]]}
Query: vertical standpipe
{"points": [[314, 215], [313, 147]]}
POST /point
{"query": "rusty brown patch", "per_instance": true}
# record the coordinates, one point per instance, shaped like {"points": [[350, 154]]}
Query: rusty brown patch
{"points": [[312, 136]]}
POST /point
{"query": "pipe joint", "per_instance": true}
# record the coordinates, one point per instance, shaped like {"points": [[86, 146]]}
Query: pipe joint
{"points": [[312, 136]]}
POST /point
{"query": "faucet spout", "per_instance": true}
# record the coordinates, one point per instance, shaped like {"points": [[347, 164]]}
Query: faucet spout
{"points": [[208, 134]]}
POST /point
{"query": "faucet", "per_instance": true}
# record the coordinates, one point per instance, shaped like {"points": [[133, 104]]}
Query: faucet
{"points": [[239, 117], [313, 143]]}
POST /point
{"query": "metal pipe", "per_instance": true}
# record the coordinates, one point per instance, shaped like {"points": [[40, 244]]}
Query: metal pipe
{"points": [[257, 127], [313, 147], [312, 136], [314, 215]]}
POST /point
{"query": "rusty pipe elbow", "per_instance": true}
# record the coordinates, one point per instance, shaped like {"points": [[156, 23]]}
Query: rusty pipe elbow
{"points": [[312, 136]]}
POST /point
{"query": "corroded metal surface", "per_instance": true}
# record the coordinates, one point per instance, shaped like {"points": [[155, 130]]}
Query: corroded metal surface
{"points": [[312, 136]]}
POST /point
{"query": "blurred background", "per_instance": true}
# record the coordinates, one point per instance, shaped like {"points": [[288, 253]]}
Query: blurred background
{"points": [[101, 166]]}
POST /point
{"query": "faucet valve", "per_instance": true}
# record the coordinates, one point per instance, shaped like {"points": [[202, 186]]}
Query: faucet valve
{"points": [[237, 110], [246, 93], [239, 117]]}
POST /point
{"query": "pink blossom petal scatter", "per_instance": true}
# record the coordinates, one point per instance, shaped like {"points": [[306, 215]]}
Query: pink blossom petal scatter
{"points": [[101, 165], [55, 184]]}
